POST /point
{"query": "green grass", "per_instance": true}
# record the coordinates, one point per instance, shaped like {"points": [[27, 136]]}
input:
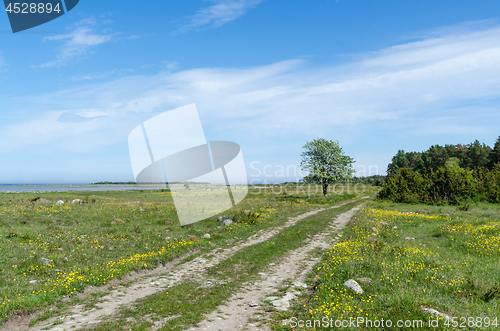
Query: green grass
{"points": [[452, 265], [106, 237]]}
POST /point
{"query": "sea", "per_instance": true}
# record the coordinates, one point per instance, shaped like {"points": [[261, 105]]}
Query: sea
{"points": [[16, 188]]}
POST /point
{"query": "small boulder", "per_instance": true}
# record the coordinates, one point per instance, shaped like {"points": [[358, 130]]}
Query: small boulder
{"points": [[299, 284], [283, 303], [227, 222], [410, 238], [394, 227], [60, 202], [77, 201], [117, 221], [32, 281], [220, 219], [206, 236], [353, 285], [43, 200], [45, 261], [435, 313]]}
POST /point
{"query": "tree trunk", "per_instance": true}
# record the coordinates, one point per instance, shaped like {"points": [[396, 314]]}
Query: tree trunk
{"points": [[325, 189]]}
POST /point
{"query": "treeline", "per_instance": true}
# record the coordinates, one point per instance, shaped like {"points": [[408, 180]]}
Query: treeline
{"points": [[376, 180], [451, 174], [471, 156], [450, 184]]}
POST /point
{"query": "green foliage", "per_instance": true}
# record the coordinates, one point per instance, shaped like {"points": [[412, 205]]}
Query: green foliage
{"points": [[471, 156], [326, 162], [449, 184], [375, 180]]}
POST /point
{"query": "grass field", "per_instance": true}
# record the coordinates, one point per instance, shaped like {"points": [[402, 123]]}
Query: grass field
{"points": [[49, 253], [418, 256]]}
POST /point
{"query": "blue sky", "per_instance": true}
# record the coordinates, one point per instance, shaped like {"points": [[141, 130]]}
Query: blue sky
{"points": [[268, 74]]}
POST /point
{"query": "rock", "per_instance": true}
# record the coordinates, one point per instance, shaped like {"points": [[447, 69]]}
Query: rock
{"points": [[353, 285], [77, 201], [117, 221], [365, 280], [45, 261], [253, 304], [394, 227], [227, 222], [383, 223], [284, 303], [299, 284], [271, 298], [220, 219], [271, 264], [43, 200], [32, 281], [212, 244], [60, 202], [435, 313], [167, 238], [410, 238], [141, 209], [206, 236]]}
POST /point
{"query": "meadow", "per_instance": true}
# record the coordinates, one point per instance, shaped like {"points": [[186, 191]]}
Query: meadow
{"points": [[408, 257], [49, 254]]}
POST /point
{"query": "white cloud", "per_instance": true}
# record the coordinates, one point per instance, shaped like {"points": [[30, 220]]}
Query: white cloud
{"points": [[399, 88], [106, 74], [171, 65], [222, 12], [77, 44]]}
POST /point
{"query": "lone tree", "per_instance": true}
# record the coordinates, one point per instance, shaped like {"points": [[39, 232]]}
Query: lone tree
{"points": [[326, 162]]}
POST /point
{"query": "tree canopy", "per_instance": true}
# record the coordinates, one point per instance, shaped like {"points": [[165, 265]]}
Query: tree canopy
{"points": [[326, 162], [470, 156]]}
